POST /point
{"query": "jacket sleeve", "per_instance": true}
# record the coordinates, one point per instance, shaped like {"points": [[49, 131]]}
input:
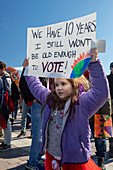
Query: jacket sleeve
{"points": [[39, 91], [106, 108], [8, 83], [95, 98]]}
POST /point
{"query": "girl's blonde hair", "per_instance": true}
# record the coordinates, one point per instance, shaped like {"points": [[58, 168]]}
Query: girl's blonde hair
{"points": [[79, 85]]}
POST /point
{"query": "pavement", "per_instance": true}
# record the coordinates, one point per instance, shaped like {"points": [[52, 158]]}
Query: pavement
{"points": [[16, 158]]}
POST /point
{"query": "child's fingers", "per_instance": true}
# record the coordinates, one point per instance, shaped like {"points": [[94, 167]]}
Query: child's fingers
{"points": [[94, 54], [25, 63], [94, 51]]}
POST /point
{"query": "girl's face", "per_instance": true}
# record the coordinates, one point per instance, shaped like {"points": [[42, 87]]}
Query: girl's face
{"points": [[63, 87]]}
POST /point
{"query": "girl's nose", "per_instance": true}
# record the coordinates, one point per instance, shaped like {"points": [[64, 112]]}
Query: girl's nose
{"points": [[59, 87]]}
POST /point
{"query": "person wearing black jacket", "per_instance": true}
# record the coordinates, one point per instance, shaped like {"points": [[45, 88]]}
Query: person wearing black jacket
{"points": [[35, 160], [110, 80], [26, 105]]}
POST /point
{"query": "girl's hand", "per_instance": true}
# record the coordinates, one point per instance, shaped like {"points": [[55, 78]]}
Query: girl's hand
{"points": [[25, 63], [94, 54]]}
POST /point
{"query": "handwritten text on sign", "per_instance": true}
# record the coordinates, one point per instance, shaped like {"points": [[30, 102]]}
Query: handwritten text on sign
{"points": [[52, 49]]}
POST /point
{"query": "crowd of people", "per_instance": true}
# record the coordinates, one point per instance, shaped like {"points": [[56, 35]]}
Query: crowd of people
{"points": [[62, 118]]}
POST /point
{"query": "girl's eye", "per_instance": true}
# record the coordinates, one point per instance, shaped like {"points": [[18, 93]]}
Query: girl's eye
{"points": [[56, 85], [63, 83]]}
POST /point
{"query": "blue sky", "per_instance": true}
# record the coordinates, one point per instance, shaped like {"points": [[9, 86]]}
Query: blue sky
{"points": [[17, 15]]}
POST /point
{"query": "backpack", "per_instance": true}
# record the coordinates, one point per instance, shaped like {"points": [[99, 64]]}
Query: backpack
{"points": [[15, 92], [1, 92], [4, 112]]}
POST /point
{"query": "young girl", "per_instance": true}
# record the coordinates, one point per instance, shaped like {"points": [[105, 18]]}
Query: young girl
{"points": [[67, 109]]}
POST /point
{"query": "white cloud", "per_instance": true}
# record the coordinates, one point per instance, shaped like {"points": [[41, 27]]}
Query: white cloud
{"points": [[19, 68]]}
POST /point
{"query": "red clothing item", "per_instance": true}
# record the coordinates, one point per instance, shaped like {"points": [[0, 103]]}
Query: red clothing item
{"points": [[29, 103], [3, 122], [5, 102], [53, 164], [10, 105], [86, 74], [90, 165]]}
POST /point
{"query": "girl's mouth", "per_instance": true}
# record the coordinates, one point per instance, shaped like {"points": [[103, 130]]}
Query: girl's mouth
{"points": [[60, 93]]}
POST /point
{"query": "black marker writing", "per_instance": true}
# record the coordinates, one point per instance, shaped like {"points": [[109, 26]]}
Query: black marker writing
{"points": [[79, 43], [53, 33], [37, 34], [89, 27], [53, 66]]}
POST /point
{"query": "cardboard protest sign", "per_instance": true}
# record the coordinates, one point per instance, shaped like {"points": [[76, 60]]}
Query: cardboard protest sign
{"points": [[54, 50], [102, 126], [100, 45]]}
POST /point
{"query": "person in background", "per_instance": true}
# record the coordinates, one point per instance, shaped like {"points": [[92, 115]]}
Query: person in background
{"points": [[110, 80], [67, 109], [25, 110], [6, 144], [15, 97], [1, 102], [100, 142], [35, 159], [36, 124], [21, 102]]}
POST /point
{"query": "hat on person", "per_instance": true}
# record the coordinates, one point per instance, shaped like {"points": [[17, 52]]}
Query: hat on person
{"points": [[111, 65]]}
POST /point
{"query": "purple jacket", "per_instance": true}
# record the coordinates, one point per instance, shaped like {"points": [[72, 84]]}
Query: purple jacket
{"points": [[75, 138]]}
